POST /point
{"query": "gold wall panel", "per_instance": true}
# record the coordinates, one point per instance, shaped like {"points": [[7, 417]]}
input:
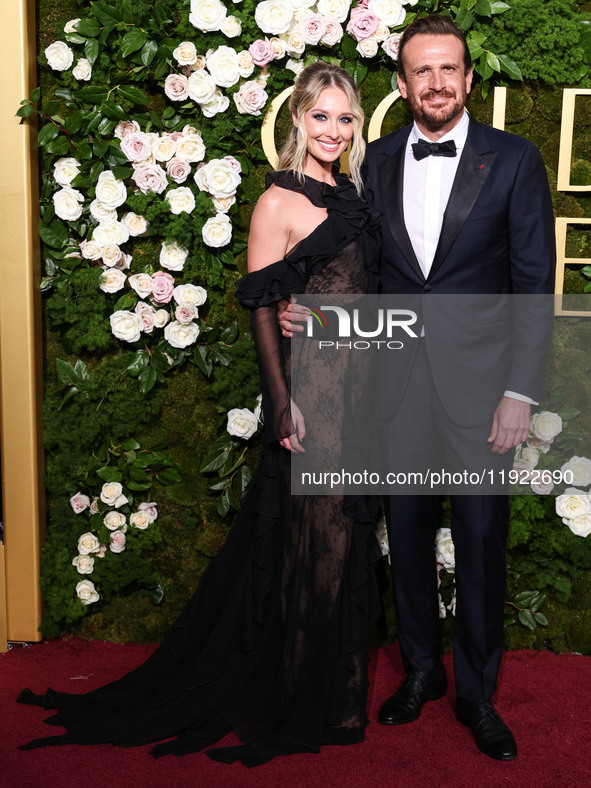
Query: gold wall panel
{"points": [[20, 337], [562, 261]]}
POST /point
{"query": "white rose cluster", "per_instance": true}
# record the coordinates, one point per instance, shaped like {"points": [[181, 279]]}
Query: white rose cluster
{"points": [[574, 506]]}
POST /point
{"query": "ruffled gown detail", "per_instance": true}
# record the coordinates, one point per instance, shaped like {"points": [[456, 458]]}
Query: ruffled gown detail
{"points": [[273, 644]]}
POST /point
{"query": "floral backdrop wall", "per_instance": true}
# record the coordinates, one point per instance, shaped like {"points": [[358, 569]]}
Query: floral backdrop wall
{"points": [[149, 131]]}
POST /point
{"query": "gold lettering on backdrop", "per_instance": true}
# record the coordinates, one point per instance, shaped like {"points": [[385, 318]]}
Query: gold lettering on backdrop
{"points": [[567, 128], [562, 260]]}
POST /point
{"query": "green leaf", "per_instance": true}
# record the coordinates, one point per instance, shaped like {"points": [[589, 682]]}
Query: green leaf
{"points": [[493, 61], [217, 455], [71, 392], [349, 47], [227, 257], [35, 95], [133, 41], [133, 94], [93, 94], [483, 8], [109, 474], [202, 359], [360, 73], [88, 27], [229, 333], [147, 379], [105, 13], [527, 619], [222, 484], [149, 52], [244, 476], [114, 111], [223, 504], [161, 69], [74, 38], [25, 111], [49, 237], [60, 146], [66, 372], [47, 133], [169, 476], [81, 369], [91, 50], [73, 122], [510, 67], [567, 412], [498, 7], [464, 19], [127, 301], [541, 619]]}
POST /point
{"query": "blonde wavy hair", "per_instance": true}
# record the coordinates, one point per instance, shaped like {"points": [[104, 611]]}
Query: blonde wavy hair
{"points": [[308, 86]]}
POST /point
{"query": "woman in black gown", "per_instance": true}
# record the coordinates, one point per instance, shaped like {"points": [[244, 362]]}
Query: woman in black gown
{"points": [[273, 645]]}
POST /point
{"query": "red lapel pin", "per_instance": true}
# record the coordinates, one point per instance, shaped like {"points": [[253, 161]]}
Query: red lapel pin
{"points": [[481, 166]]}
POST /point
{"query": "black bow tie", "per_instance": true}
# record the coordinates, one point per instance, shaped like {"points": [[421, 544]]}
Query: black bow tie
{"points": [[422, 148]]}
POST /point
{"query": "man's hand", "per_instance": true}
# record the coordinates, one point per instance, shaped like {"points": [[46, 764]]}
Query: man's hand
{"points": [[510, 425], [293, 442], [289, 315]]}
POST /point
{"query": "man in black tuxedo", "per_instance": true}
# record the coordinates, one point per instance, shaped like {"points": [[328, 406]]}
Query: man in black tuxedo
{"points": [[465, 209]]}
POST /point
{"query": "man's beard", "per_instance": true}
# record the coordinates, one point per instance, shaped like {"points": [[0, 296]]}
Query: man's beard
{"points": [[436, 118]]}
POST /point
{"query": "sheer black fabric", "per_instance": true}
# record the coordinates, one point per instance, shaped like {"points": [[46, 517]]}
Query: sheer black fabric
{"points": [[273, 644]]}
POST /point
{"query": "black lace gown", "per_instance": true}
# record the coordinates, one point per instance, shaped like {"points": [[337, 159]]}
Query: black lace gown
{"points": [[273, 644]]}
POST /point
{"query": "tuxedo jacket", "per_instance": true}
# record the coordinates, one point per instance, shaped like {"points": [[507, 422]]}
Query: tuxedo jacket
{"points": [[496, 242]]}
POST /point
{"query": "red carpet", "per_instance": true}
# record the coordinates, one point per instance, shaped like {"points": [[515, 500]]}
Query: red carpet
{"points": [[545, 698]]}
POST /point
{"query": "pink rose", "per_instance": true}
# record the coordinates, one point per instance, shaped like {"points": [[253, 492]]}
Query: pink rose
{"points": [[543, 487], [94, 506], [137, 146], [313, 27], [250, 99], [185, 313], [79, 502], [162, 287], [117, 544], [178, 169], [101, 551], [149, 507], [176, 87], [262, 52], [362, 24], [234, 163], [150, 177], [125, 127], [392, 44]]}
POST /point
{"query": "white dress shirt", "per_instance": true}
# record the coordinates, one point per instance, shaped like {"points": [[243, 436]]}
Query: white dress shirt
{"points": [[426, 189]]}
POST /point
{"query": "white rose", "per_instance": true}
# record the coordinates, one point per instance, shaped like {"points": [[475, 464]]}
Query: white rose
{"points": [[581, 525], [111, 255], [223, 66], [543, 486], [279, 46], [250, 99], [181, 200], [59, 56], [245, 64], [173, 256], [101, 213], [79, 502], [179, 335], [217, 231], [444, 549], [65, 170], [114, 520], [91, 250], [124, 261], [545, 425], [88, 543], [220, 178], [580, 468], [178, 169], [201, 86], [164, 148], [185, 53], [223, 204], [110, 233], [302, 4], [137, 225], [274, 16], [390, 12], [294, 43], [140, 520], [207, 15], [110, 191], [142, 284], [146, 313], [333, 33], [84, 564], [367, 47], [242, 423], [112, 280], [112, 494], [526, 458], [258, 413], [381, 33], [186, 313], [573, 503], [70, 27], [137, 146], [86, 592], [391, 45], [67, 204], [161, 318], [82, 71], [297, 66], [219, 103], [126, 325], [339, 9], [542, 446], [176, 87], [190, 294], [117, 543], [191, 148], [150, 178], [313, 27], [231, 27]]}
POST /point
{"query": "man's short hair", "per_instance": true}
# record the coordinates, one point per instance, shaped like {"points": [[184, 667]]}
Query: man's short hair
{"points": [[434, 25]]}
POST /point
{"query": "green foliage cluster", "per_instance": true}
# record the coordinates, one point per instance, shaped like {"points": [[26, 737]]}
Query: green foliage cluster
{"points": [[550, 40]]}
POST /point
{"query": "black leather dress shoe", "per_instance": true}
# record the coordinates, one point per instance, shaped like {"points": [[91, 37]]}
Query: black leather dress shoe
{"points": [[492, 736], [417, 688]]}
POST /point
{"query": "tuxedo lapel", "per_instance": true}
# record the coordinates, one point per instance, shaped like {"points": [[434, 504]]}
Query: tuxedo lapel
{"points": [[391, 177], [473, 170]]}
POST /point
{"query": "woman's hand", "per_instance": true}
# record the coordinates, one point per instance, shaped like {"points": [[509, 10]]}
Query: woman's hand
{"points": [[292, 443], [291, 316]]}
